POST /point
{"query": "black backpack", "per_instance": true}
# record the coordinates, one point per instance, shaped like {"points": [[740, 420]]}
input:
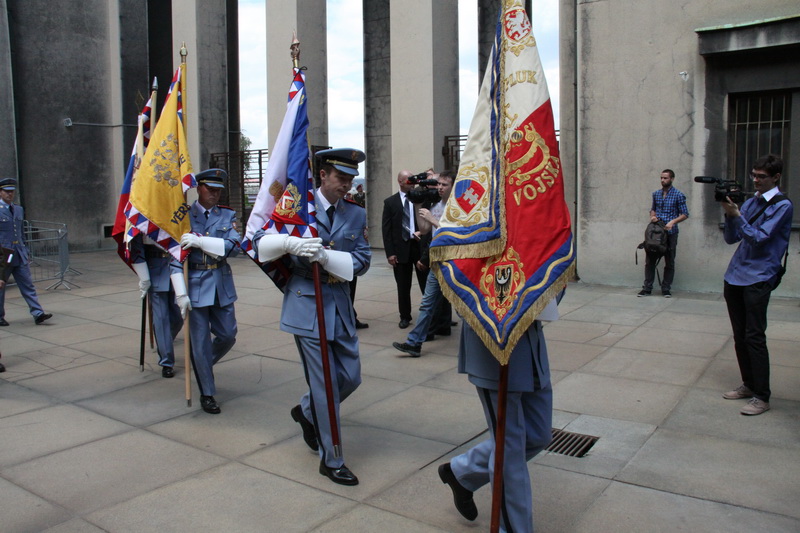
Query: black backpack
{"points": [[655, 239]]}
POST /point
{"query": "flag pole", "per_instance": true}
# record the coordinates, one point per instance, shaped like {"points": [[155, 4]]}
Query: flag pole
{"points": [[147, 301], [153, 120], [499, 449], [323, 337], [187, 337], [141, 338]]}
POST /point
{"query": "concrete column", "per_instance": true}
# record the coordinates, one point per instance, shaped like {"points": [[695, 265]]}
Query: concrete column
{"points": [[8, 137], [309, 19], [377, 113], [410, 92], [423, 74]]}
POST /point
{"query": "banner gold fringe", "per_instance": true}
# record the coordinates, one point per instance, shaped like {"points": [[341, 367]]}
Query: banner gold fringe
{"points": [[504, 354]]}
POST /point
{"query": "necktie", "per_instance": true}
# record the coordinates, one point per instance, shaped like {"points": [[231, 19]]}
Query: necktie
{"points": [[206, 214], [331, 210], [406, 221], [11, 208]]}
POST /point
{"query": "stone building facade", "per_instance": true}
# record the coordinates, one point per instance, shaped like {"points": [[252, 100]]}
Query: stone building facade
{"points": [[73, 77], [699, 86]]}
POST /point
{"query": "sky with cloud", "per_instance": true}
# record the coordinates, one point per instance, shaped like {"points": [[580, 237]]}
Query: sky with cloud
{"points": [[345, 50]]}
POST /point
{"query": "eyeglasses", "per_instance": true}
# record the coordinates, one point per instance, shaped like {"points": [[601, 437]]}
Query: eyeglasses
{"points": [[755, 176]]}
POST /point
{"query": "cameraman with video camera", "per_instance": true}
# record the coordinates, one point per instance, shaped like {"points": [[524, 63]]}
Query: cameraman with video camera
{"points": [[433, 299], [762, 226]]}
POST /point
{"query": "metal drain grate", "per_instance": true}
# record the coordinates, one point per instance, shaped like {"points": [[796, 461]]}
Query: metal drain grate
{"points": [[571, 444]]}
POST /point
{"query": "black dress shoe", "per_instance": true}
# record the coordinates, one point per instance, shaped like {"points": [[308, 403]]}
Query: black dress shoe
{"points": [[341, 475], [309, 435], [430, 337], [444, 332], [167, 372], [2, 368], [404, 323], [461, 496], [41, 318], [210, 405], [361, 325], [3, 322]]}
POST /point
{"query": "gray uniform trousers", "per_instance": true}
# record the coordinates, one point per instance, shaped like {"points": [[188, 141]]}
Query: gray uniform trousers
{"points": [[528, 426]]}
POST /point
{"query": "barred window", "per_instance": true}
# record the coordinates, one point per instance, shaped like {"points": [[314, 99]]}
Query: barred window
{"points": [[759, 125]]}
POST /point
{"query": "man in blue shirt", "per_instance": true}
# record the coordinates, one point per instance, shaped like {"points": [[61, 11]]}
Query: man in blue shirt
{"points": [[762, 225], [668, 206]]}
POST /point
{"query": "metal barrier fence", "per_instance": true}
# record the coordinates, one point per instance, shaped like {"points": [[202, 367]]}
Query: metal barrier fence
{"points": [[47, 243]]}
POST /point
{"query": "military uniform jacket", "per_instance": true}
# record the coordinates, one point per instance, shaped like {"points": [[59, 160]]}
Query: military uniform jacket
{"points": [[211, 277], [528, 364], [348, 234], [158, 262], [11, 234]]}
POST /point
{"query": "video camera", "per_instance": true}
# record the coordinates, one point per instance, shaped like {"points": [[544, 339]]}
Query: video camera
{"points": [[422, 192], [723, 188]]}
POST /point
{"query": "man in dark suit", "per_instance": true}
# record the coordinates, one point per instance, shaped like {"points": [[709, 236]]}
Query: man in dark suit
{"points": [[401, 242]]}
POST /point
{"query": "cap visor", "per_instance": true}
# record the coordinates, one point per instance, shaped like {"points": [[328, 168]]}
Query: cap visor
{"points": [[346, 170]]}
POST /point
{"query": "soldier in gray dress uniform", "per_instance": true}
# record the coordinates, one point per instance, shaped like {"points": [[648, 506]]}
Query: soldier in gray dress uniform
{"points": [[152, 265], [211, 292], [13, 238], [342, 250], [528, 428]]}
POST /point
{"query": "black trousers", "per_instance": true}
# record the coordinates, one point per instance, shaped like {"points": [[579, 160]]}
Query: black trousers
{"points": [[403, 275], [747, 309], [669, 265]]}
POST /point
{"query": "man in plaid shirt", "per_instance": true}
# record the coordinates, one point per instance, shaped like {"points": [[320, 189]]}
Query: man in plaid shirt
{"points": [[669, 206]]}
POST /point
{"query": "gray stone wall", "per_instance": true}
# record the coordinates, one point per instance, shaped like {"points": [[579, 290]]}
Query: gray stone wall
{"points": [[61, 70], [641, 104]]}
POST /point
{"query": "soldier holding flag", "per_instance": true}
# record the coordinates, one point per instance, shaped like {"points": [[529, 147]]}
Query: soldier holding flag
{"points": [[503, 255], [211, 291], [343, 252]]}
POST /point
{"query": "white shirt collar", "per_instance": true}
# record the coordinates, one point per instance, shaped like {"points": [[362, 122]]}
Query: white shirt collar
{"points": [[770, 193], [323, 202]]}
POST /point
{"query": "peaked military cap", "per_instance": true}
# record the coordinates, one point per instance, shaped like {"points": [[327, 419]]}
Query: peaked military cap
{"points": [[213, 177], [343, 159], [8, 184]]}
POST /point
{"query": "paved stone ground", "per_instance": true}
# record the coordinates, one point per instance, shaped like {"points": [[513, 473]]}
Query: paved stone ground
{"points": [[88, 443]]}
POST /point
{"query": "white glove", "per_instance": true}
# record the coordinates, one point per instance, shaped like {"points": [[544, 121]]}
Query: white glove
{"points": [[320, 256], [190, 240], [181, 298], [302, 247], [184, 303], [339, 264], [143, 272], [144, 286]]}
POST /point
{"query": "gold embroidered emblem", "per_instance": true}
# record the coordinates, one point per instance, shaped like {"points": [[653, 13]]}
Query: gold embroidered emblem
{"points": [[529, 145], [165, 158], [472, 202], [518, 30], [289, 204], [501, 279]]}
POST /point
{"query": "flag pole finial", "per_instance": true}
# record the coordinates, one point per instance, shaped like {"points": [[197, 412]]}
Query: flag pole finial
{"points": [[184, 52], [154, 86], [295, 50]]}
